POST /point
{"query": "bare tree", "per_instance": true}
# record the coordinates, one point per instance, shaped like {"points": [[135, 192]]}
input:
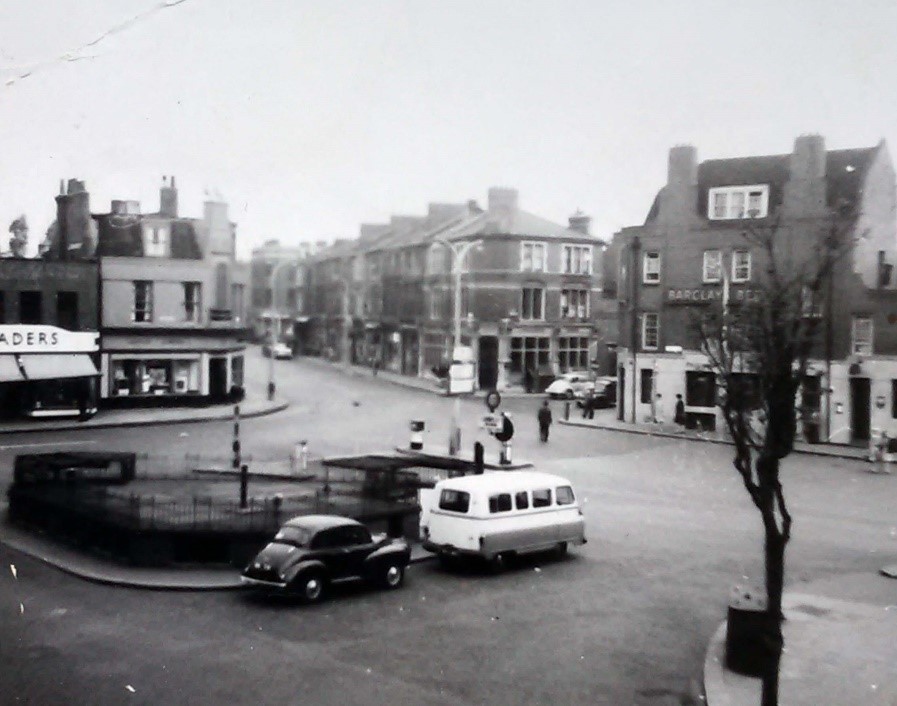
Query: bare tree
{"points": [[760, 348]]}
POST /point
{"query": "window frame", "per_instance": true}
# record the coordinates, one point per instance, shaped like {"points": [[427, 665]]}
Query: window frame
{"points": [[193, 305], [706, 277], [533, 246], [858, 347], [651, 275], [582, 304], [576, 259], [148, 297], [730, 212], [532, 288], [644, 330], [748, 266]]}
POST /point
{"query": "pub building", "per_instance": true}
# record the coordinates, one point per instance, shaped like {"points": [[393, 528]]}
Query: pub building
{"points": [[46, 371]]}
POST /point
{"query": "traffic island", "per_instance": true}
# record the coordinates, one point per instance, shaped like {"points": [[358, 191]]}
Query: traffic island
{"points": [[97, 503], [463, 461]]}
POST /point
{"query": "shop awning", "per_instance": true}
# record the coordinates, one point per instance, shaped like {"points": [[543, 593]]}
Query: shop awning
{"points": [[56, 366], [9, 370]]}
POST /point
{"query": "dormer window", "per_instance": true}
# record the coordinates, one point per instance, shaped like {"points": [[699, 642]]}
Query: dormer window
{"points": [[155, 241], [734, 202]]}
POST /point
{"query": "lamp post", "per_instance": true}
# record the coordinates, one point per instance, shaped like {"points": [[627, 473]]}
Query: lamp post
{"points": [[459, 250]]}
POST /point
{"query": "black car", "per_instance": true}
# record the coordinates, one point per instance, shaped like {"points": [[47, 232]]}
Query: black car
{"points": [[604, 394], [309, 553]]}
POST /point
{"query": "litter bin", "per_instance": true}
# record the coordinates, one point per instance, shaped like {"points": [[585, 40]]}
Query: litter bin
{"points": [[747, 625]]}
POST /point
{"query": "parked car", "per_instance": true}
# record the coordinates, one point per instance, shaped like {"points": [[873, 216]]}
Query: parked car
{"points": [[310, 553], [604, 394], [570, 385], [282, 351]]}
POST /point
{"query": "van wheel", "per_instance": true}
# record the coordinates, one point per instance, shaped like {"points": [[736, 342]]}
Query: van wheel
{"points": [[499, 562], [561, 550]]}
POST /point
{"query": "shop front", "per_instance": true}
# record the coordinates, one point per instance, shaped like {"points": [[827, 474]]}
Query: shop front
{"points": [[46, 371], [168, 369]]}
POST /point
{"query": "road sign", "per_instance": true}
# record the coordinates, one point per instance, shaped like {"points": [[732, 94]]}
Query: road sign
{"points": [[493, 399], [492, 423]]}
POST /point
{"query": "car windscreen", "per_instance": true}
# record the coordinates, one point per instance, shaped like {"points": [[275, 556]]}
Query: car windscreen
{"points": [[454, 501], [298, 536]]}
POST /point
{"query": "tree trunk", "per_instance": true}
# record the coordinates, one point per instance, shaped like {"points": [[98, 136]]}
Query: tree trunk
{"points": [[773, 641]]}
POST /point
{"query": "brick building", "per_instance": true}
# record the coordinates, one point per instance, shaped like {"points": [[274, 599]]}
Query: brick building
{"points": [[693, 240], [529, 292], [170, 314]]}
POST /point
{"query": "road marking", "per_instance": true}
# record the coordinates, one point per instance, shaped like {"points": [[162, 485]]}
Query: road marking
{"points": [[7, 447]]}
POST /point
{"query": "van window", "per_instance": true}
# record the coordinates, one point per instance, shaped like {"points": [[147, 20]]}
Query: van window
{"points": [[564, 495], [521, 500], [500, 503], [454, 500], [542, 497]]}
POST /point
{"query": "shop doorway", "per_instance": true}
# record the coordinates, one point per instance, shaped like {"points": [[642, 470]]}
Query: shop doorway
{"points": [[488, 362], [218, 378], [859, 408]]}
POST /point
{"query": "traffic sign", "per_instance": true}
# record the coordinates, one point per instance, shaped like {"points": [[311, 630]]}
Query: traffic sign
{"points": [[492, 423], [493, 399]]}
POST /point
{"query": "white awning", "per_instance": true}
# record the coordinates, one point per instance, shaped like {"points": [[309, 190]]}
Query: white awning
{"points": [[56, 366], [9, 370]]}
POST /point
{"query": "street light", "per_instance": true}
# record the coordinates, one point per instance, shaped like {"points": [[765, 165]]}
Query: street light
{"points": [[459, 250]]}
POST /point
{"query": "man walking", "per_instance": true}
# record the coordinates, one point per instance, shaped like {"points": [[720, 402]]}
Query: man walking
{"points": [[679, 416], [544, 417]]}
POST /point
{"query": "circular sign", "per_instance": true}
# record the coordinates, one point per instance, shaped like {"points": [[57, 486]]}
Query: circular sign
{"points": [[493, 399]]}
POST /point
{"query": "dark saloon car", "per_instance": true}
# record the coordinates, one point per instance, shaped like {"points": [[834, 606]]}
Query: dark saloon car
{"points": [[309, 553]]}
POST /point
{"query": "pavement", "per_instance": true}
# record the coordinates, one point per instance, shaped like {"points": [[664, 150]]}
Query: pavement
{"points": [[839, 633]]}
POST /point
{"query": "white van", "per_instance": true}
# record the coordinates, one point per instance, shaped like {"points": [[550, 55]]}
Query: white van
{"points": [[496, 515]]}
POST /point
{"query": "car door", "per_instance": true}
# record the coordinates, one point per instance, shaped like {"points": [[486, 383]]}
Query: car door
{"points": [[358, 547], [328, 548]]}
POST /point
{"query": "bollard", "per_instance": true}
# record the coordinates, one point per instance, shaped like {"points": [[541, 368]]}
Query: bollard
{"points": [[567, 410], [478, 463], [417, 434], [244, 485], [303, 454]]}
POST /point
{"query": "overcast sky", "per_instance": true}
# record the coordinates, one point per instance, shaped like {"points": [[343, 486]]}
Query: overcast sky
{"points": [[311, 117]]}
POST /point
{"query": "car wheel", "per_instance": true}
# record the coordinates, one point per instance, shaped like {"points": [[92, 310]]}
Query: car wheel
{"points": [[561, 550], [311, 586], [393, 575]]}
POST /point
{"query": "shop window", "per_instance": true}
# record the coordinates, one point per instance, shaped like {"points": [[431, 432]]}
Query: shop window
{"points": [[30, 306], [647, 385], [67, 310], [573, 353], [529, 353], [700, 388]]}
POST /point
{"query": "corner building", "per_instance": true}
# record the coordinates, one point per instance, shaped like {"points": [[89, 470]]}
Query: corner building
{"points": [[692, 242]]}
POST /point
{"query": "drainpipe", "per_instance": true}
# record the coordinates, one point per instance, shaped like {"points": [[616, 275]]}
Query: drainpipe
{"points": [[634, 277]]}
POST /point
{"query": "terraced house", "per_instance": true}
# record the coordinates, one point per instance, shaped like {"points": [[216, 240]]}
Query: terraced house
{"points": [[523, 292], [692, 247]]}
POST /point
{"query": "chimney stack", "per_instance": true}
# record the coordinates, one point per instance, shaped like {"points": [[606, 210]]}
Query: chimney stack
{"points": [[168, 198], [682, 167], [580, 222]]}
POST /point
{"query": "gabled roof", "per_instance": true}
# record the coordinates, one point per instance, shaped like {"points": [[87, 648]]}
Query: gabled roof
{"points": [[515, 222]]}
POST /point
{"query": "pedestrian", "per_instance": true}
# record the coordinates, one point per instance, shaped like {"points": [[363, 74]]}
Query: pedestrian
{"points": [[679, 417], [588, 405], [544, 417]]}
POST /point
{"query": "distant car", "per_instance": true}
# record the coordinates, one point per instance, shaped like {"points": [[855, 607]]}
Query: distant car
{"points": [[570, 385], [310, 553], [282, 351], [604, 394]]}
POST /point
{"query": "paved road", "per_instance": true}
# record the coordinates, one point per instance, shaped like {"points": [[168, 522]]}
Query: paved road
{"points": [[624, 620]]}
